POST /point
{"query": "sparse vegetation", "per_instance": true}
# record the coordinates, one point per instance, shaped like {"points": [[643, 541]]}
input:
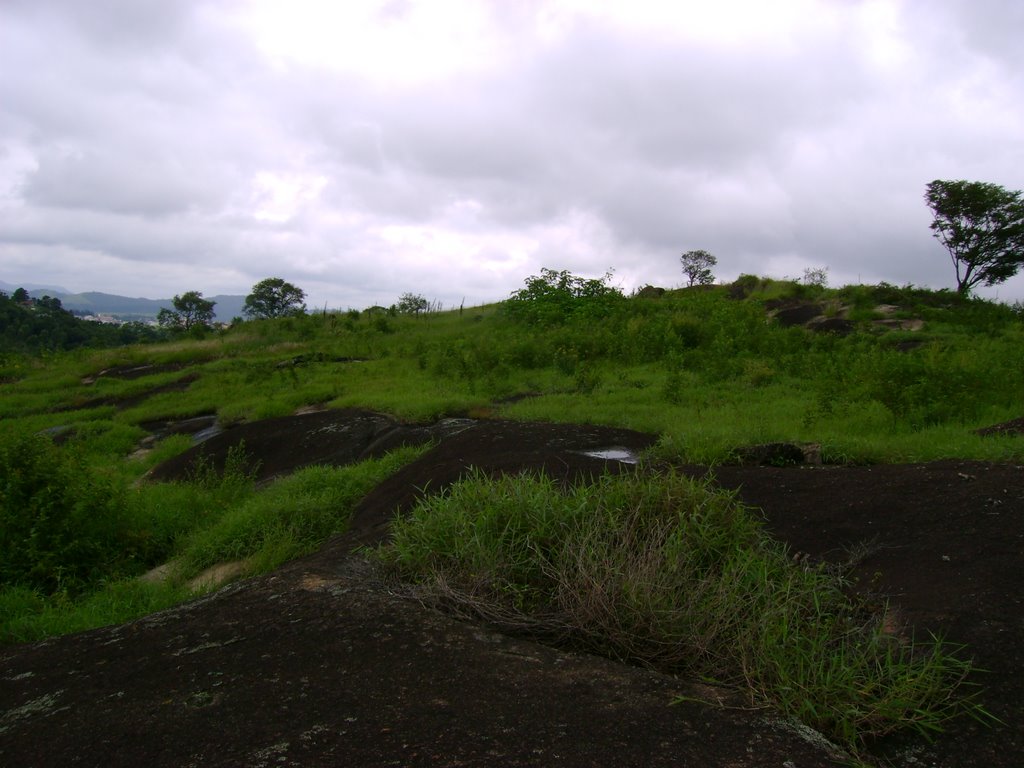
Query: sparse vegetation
{"points": [[669, 572], [816, 276]]}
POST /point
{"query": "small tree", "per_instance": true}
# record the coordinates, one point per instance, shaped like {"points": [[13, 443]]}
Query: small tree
{"points": [[274, 297], [982, 227], [412, 304], [697, 267], [191, 310], [816, 276]]}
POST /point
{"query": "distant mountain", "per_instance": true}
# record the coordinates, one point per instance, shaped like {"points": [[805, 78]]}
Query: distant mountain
{"points": [[125, 308], [49, 290]]}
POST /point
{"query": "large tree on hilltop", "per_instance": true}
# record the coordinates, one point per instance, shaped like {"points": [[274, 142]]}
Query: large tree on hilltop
{"points": [[697, 266], [274, 297], [191, 310], [982, 227]]}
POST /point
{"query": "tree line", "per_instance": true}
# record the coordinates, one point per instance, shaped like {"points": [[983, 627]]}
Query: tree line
{"points": [[269, 298], [30, 326]]}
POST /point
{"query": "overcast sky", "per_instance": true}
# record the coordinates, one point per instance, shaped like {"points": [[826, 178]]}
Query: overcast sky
{"points": [[452, 148]]}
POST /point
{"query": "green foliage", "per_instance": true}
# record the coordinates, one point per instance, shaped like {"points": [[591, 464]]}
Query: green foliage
{"points": [[290, 518], [728, 357], [923, 387], [62, 528], [743, 286], [697, 266], [669, 572], [704, 370], [554, 297], [982, 227], [273, 297], [191, 312], [43, 326], [216, 515], [27, 616], [237, 474], [412, 304]]}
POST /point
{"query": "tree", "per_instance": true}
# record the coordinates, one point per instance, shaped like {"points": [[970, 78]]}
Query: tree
{"points": [[191, 310], [816, 276], [274, 297], [51, 303], [982, 227], [697, 267], [412, 304]]}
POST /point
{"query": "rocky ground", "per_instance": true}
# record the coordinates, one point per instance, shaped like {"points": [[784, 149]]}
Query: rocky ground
{"points": [[319, 664]]}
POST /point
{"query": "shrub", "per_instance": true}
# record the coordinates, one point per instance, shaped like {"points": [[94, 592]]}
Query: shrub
{"points": [[925, 387], [743, 286], [62, 527], [553, 297]]}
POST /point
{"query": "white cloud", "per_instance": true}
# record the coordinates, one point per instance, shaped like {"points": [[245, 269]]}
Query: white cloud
{"points": [[453, 148]]}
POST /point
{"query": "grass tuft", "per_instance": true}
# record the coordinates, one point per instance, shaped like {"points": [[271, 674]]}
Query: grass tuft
{"points": [[670, 572]]}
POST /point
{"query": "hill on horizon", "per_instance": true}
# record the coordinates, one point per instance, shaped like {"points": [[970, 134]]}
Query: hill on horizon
{"points": [[125, 307]]}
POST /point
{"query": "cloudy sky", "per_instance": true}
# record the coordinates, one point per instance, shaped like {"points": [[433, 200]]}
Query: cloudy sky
{"points": [[452, 148]]}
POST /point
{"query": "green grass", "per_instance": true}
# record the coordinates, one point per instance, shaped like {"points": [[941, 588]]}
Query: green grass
{"points": [[705, 371], [290, 518], [669, 572], [89, 578], [26, 616]]}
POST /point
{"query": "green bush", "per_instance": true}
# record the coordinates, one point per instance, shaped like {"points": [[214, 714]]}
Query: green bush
{"points": [[62, 526], [554, 297], [927, 386]]}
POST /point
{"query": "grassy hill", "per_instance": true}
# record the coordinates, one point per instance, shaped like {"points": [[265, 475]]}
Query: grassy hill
{"points": [[861, 374], [891, 374]]}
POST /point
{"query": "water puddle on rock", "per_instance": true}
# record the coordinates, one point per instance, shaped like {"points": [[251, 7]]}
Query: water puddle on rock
{"points": [[624, 455]]}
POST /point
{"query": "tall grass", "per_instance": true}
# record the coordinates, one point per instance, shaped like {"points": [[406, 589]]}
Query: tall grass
{"points": [[87, 576], [290, 518], [670, 572]]}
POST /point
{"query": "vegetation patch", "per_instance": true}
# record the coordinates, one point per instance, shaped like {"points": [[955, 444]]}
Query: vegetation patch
{"points": [[666, 571], [73, 542], [705, 368], [61, 527]]}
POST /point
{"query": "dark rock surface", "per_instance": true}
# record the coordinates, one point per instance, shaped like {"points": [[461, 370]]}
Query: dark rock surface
{"points": [[318, 664]]}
